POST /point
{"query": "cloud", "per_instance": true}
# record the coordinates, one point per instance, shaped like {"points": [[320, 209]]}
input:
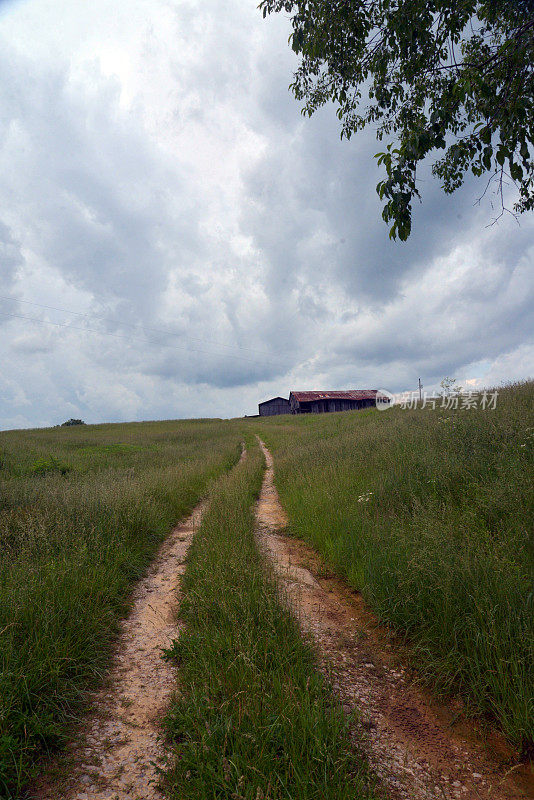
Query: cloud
{"points": [[11, 260], [159, 180]]}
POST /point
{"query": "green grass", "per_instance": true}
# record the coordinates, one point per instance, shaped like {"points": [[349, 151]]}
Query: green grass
{"points": [[82, 512], [429, 514], [254, 719]]}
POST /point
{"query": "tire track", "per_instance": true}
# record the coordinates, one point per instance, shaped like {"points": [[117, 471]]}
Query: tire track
{"points": [[118, 751], [414, 744]]}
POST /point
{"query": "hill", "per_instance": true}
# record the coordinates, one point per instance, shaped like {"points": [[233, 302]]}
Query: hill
{"points": [[426, 512]]}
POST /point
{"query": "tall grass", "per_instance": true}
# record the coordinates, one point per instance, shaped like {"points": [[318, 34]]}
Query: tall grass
{"points": [[82, 511], [429, 514], [254, 719]]}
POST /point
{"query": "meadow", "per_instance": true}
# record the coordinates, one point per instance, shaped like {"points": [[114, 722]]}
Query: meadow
{"points": [[82, 512], [429, 514]]}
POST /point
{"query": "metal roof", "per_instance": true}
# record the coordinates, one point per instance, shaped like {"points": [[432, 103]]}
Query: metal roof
{"points": [[273, 399], [350, 394]]}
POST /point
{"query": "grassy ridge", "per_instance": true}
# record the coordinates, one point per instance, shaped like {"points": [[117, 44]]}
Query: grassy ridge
{"points": [[82, 511], [254, 719], [429, 514]]}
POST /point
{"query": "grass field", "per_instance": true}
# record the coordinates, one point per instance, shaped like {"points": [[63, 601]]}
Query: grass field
{"points": [[427, 513], [430, 515], [82, 512], [254, 718]]}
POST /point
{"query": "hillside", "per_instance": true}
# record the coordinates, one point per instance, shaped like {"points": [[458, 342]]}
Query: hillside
{"points": [[427, 513], [82, 512]]}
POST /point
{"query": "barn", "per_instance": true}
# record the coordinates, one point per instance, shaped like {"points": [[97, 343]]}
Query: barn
{"points": [[274, 406], [321, 402]]}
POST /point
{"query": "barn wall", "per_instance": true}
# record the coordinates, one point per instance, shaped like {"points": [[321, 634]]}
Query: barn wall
{"points": [[274, 408], [325, 406]]}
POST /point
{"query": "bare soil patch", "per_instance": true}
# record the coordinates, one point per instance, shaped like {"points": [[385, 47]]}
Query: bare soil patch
{"points": [[419, 747], [117, 752]]}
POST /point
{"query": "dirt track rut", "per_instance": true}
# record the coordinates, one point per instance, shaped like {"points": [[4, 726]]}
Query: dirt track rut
{"points": [[419, 749], [115, 755]]}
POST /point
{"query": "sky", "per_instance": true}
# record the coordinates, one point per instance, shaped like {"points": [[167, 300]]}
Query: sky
{"points": [[177, 240]]}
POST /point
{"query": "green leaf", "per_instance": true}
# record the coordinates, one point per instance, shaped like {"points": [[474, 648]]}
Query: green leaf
{"points": [[415, 99], [516, 171]]}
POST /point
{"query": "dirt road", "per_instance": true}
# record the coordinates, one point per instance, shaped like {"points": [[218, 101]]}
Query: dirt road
{"points": [[419, 749]]}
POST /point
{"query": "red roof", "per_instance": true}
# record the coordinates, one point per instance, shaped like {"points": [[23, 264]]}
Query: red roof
{"points": [[350, 394]]}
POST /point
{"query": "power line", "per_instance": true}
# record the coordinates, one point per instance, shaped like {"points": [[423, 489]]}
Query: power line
{"points": [[130, 339], [130, 325]]}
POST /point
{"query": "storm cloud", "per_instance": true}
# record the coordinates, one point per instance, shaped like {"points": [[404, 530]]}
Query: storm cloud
{"points": [[176, 240]]}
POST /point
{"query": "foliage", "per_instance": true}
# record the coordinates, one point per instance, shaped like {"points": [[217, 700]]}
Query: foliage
{"points": [[451, 75], [71, 421], [450, 386], [254, 718], [429, 514]]}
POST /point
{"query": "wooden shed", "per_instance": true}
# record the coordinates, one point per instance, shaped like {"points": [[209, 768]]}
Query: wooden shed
{"points": [[321, 402], [274, 406]]}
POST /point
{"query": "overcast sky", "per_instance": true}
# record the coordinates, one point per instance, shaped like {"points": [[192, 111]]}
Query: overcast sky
{"points": [[177, 240]]}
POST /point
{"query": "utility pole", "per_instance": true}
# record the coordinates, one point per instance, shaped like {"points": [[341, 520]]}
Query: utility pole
{"points": [[420, 387]]}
